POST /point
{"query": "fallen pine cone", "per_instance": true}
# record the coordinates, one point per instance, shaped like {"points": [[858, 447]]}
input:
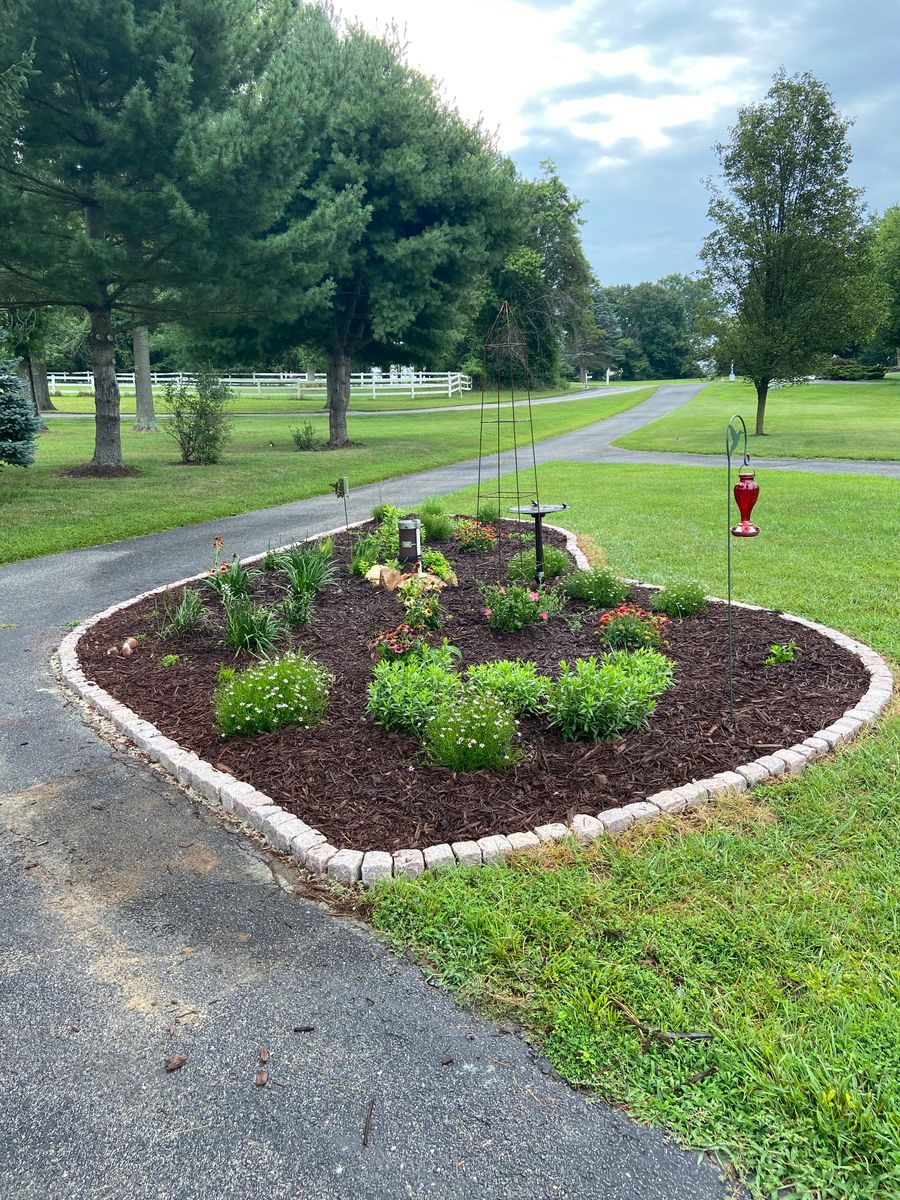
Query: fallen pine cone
{"points": [[262, 1078], [176, 1062]]}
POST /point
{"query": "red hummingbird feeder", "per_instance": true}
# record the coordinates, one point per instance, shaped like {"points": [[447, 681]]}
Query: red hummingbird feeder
{"points": [[746, 493]]}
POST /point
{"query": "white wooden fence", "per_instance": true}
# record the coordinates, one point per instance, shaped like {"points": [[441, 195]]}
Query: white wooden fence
{"points": [[402, 381]]}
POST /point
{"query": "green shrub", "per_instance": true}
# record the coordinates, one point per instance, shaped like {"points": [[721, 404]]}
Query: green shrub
{"points": [[629, 627], [437, 526], [513, 607], [198, 422], [517, 684], [598, 587], [187, 614], [556, 562], [783, 653], [601, 700], [436, 564], [304, 437], [18, 424], [474, 732], [363, 553], [681, 600], [405, 693], [291, 690], [297, 607], [271, 560], [250, 627], [431, 506], [170, 660], [489, 512]]}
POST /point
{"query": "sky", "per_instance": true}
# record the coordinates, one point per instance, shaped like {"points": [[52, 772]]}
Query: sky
{"points": [[628, 97]]}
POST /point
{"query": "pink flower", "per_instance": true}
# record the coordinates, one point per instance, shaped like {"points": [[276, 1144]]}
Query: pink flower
{"points": [[503, 591], [533, 596], [487, 612], [545, 616]]}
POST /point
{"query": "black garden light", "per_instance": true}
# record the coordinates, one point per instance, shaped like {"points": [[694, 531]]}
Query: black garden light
{"points": [[410, 529], [537, 512]]}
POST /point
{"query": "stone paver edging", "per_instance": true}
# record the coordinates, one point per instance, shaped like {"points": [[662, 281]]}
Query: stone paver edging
{"points": [[311, 849]]}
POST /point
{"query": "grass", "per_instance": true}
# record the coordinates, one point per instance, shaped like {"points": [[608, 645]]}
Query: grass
{"points": [[43, 512], [824, 420], [769, 921], [286, 402]]}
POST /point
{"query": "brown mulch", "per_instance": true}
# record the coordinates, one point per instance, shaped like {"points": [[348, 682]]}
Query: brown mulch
{"points": [[366, 788], [91, 471]]}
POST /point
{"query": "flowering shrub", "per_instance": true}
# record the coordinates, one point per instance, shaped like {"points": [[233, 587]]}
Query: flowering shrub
{"points": [[514, 607], [600, 700], [629, 627], [474, 536], [473, 732], [434, 563], [681, 600], [397, 643], [292, 690], [516, 684], [420, 597], [522, 565], [597, 587], [405, 693], [250, 627]]}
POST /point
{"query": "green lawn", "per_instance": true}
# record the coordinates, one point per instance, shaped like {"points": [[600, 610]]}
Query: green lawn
{"points": [[43, 512], [769, 921], [250, 401], [824, 420]]}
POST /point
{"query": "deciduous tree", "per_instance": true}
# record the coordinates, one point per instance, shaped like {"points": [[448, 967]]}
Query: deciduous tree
{"points": [[790, 253]]}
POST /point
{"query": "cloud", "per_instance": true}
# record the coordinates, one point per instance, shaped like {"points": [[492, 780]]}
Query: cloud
{"points": [[629, 98]]}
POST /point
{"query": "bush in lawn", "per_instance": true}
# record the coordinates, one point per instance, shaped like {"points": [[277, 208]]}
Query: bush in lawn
{"points": [[629, 627], [18, 423], [556, 562], [598, 587], [405, 693], [251, 627], [304, 437], [474, 732], [199, 423], [291, 690], [437, 526], [600, 700], [511, 608], [681, 600], [517, 684], [188, 614]]}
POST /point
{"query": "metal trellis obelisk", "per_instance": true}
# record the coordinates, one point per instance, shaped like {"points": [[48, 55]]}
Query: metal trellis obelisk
{"points": [[505, 364]]}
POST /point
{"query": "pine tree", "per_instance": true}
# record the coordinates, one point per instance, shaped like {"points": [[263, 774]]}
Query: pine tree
{"points": [[18, 423]]}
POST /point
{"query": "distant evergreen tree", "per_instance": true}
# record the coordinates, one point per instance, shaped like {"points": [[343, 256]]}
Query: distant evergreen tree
{"points": [[18, 423]]}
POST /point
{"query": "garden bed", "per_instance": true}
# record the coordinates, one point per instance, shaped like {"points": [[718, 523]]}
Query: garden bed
{"points": [[365, 788]]}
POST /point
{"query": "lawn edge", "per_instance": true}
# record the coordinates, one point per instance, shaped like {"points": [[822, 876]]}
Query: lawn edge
{"points": [[311, 850]]}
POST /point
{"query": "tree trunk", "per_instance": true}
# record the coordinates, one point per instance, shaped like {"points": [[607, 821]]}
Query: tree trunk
{"points": [[107, 439], [338, 398], [41, 385], [762, 392], [23, 370], [145, 415]]}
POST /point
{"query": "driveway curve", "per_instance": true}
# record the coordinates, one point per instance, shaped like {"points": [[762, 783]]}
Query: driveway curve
{"points": [[136, 925]]}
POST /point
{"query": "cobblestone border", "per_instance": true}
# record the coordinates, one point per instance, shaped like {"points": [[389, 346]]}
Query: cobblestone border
{"points": [[311, 849]]}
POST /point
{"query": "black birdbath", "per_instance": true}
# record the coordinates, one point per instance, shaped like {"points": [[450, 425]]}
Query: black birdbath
{"points": [[537, 512]]}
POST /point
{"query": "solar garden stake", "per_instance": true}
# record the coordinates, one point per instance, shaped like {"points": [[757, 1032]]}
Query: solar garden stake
{"points": [[341, 488], [746, 493]]}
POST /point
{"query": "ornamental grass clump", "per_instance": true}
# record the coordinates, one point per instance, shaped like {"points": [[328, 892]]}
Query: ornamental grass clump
{"points": [[251, 627], [229, 578], [405, 693], [185, 616], [308, 567], [597, 587], [291, 690], [681, 600], [522, 565], [630, 627], [512, 608], [363, 553], [473, 732], [517, 684], [598, 700], [437, 526]]}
